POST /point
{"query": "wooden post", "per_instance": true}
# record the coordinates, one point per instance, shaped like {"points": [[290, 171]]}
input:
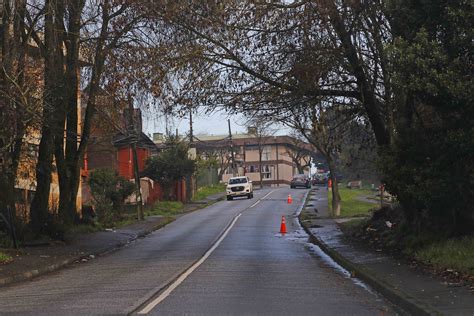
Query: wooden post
{"points": [[136, 136], [381, 195]]}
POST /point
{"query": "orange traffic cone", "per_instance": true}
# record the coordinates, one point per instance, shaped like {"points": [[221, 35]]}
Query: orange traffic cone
{"points": [[289, 200], [283, 225]]}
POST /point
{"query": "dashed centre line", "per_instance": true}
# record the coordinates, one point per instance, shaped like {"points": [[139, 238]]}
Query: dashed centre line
{"points": [[254, 204], [148, 308], [188, 272]]}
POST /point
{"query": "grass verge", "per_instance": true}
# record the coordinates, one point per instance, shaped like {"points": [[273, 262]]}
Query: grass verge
{"points": [[352, 225], [204, 192], [166, 208], [454, 254], [4, 258], [84, 229], [350, 203]]}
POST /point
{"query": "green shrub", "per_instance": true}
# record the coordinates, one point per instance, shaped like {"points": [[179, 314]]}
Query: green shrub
{"points": [[109, 191], [5, 258], [172, 164]]}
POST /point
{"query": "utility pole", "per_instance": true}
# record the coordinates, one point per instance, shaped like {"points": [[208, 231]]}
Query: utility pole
{"points": [[189, 178], [231, 149], [191, 137], [135, 135], [277, 166], [166, 126]]}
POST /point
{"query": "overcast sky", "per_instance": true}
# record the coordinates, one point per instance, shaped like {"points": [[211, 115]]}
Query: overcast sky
{"points": [[208, 124]]}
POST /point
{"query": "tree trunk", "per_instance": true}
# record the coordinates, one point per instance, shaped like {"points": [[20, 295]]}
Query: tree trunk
{"points": [[52, 113], [13, 107], [40, 203], [371, 104], [69, 174], [300, 168], [336, 197], [69, 188]]}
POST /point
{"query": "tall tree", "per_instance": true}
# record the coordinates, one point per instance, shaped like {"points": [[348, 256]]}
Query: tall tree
{"points": [[75, 32], [262, 131], [323, 125], [299, 154], [252, 56], [18, 108], [429, 167], [52, 96]]}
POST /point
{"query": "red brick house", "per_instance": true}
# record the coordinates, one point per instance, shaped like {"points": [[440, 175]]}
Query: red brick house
{"points": [[111, 146]]}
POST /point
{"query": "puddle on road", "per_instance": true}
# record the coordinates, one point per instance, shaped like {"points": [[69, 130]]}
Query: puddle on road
{"points": [[300, 236], [328, 261]]}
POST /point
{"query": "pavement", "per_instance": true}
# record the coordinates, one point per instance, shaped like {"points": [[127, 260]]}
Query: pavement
{"points": [[31, 262], [414, 291]]}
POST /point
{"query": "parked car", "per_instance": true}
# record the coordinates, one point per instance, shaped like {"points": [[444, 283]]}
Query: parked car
{"points": [[300, 180], [239, 186], [320, 178]]}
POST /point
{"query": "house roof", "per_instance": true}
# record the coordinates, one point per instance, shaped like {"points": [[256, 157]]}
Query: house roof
{"points": [[121, 140], [204, 141]]}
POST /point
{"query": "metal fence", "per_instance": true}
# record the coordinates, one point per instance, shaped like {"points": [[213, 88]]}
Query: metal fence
{"points": [[206, 177]]}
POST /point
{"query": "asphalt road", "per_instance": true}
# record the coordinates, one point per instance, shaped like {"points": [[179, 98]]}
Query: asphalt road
{"points": [[251, 269]]}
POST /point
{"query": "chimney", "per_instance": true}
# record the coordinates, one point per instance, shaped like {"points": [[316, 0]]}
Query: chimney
{"points": [[137, 119], [252, 130], [158, 137]]}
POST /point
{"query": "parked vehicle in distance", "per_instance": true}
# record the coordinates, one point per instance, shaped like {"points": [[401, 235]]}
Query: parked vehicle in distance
{"points": [[320, 178], [239, 186], [300, 180]]}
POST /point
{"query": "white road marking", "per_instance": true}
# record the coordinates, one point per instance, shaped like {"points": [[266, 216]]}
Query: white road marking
{"points": [[255, 203], [268, 194], [183, 276], [260, 200]]}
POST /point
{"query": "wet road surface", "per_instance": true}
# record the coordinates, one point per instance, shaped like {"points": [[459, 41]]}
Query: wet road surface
{"points": [[254, 270]]}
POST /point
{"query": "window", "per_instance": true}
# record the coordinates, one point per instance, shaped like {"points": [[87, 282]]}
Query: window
{"points": [[237, 180], [267, 153], [253, 168], [251, 147], [267, 171]]}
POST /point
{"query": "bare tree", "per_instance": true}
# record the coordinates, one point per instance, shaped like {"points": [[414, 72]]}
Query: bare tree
{"points": [[263, 131], [323, 125], [299, 153], [19, 109], [268, 58], [73, 31], [219, 154], [250, 56]]}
